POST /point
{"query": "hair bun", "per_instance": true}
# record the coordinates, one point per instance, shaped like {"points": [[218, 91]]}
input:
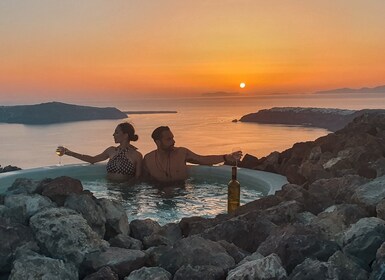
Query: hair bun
{"points": [[135, 137]]}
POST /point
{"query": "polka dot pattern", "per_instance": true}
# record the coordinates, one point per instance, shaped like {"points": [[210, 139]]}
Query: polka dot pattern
{"points": [[121, 164]]}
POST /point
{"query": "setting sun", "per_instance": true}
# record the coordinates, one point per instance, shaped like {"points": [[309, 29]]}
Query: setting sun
{"points": [[242, 85]]}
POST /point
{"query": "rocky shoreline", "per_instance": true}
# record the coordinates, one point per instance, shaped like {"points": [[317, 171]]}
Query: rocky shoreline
{"points": [[327, 223], [328, 118]]}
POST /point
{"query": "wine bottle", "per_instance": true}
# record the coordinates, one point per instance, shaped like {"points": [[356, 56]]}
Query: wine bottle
{"points": [[233, 192]]}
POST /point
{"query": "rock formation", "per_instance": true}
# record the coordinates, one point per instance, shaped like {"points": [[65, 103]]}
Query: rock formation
{"points": [[328, 223]]}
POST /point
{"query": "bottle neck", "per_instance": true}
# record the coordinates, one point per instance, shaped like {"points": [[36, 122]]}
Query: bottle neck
{"points": [[234, 173]]}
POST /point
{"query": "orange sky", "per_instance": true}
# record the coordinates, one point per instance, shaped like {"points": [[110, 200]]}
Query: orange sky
{"points": [[70, 49]]}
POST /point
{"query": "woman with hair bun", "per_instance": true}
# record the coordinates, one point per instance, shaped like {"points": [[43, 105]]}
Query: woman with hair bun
{"points": [[124, 161]]}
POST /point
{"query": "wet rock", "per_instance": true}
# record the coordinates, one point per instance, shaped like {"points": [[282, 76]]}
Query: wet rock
{"points": [[294, 243], [149, 273], [195, 251], [89, 209], [35, 266], [125, 241], [116, 218], [121, 261], [269, 267], [60, 188], [166, 235], [143, 228], [362, 239], [65, 234], [105, 273]]}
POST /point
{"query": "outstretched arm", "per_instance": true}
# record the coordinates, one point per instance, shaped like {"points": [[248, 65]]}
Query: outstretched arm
{"points": [[86, 158], [210, 159]]}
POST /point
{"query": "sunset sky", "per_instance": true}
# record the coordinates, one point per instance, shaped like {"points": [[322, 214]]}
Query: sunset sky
{"points": [[137, 48]]}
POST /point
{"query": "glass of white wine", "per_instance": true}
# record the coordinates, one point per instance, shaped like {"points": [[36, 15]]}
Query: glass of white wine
{"points": [[237, 154], [60, 153]]}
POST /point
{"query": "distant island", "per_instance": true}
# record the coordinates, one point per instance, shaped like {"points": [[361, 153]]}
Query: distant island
{"points": [[330, 119], [378, 89], [57, 112]]}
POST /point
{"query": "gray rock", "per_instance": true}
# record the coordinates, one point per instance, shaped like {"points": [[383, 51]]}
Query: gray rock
{"points": [[23, 185], [294, 243], [345, 268], [195, 251], [362, 239], [121, 261], [125, 241], [166, 235], [32, 203], [89, 209], [311, 269], [65, 234], [149, 273], [269, 267], [337, 218], [154, 254], [12, 236], [370, 194], [246, 231], [105, 273], [197, 272], [143, 228], [253, 257], [234, 251], [116, 218], [42, 267]]}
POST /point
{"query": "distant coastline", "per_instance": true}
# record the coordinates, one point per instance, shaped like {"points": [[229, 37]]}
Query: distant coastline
{"points": [[378, 89], [57, 112], [328, 118]]}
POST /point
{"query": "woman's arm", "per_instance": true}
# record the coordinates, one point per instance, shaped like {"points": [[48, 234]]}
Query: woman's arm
{"points": [[86, 158]]}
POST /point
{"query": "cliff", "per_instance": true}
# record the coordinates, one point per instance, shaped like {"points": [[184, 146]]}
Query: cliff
{"points": [[56, 112], [331, 119]]}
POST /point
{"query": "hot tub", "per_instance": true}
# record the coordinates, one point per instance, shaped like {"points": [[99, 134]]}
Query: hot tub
{"points": [[203, 194]]}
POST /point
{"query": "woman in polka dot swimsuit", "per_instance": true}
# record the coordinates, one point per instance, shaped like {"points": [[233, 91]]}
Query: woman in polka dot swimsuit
{"points": [[125, 162]]}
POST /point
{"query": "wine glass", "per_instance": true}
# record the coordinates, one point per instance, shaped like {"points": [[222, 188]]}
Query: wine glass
{"points": [[60, 152], [236, 152]]}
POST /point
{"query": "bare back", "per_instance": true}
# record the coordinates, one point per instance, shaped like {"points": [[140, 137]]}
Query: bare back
{"points": [[167, 167]]}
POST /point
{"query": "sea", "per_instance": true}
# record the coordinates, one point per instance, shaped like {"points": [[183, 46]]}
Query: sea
{"points": [[203, 124]]}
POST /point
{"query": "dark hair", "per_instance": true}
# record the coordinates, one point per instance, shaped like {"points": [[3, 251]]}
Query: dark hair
{"points": [[130, 130], [157, 133]]}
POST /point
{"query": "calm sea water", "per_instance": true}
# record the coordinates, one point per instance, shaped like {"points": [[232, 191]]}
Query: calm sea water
{"points": [[204, 125]]}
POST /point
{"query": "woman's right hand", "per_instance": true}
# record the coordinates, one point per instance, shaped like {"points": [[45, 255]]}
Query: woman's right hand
{"points": [[60, 151]]}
